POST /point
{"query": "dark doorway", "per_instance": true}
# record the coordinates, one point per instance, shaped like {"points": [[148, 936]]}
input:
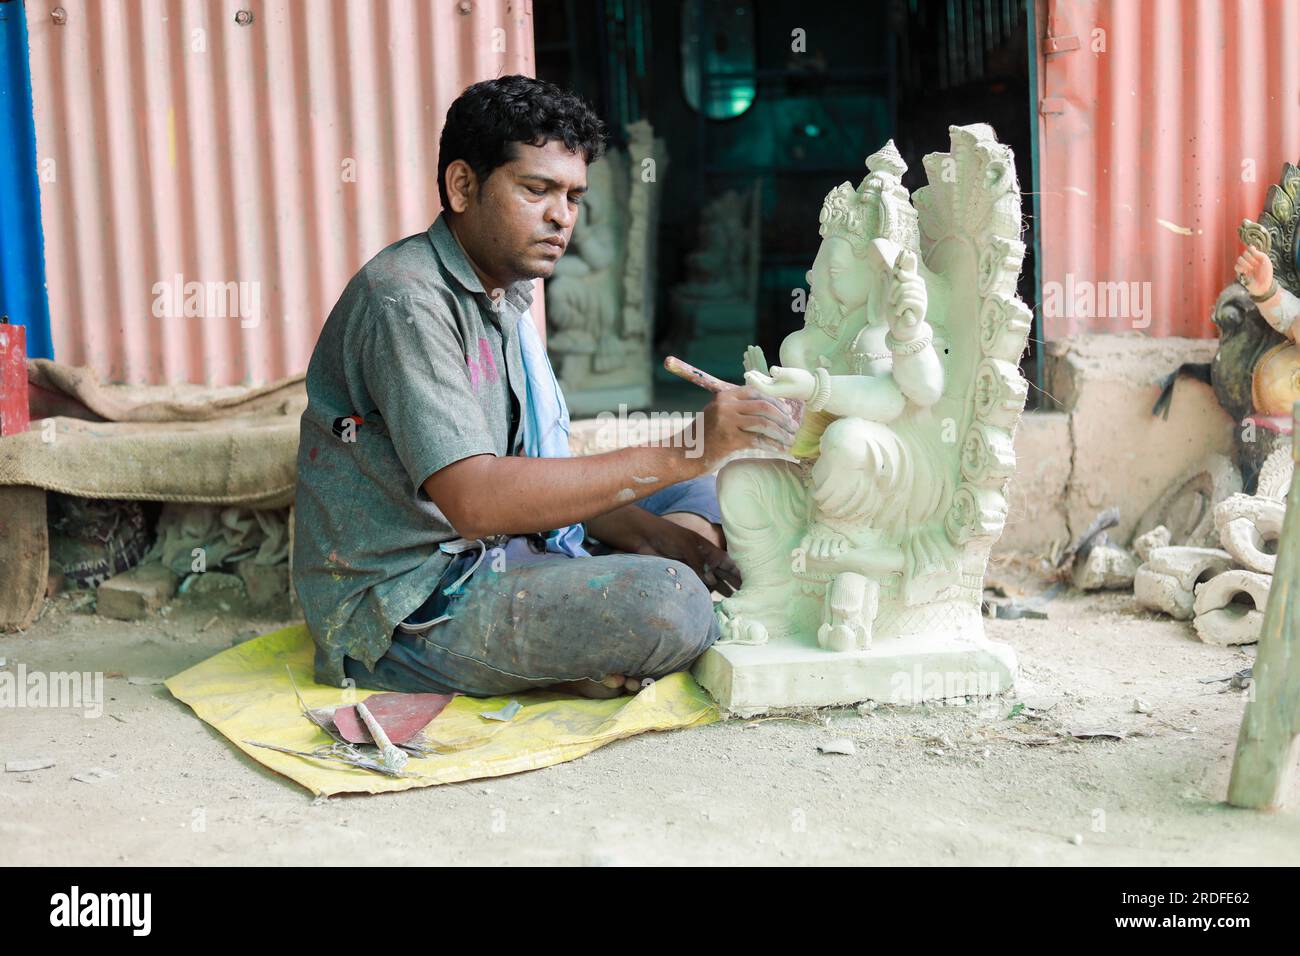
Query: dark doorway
{"points": [[821, 86]]}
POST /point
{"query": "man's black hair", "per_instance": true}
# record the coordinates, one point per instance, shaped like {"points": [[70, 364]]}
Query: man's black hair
{"points": [[489, 116]]}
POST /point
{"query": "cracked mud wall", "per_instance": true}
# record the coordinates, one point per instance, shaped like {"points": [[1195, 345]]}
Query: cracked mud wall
{"points": [[1104, 447]]}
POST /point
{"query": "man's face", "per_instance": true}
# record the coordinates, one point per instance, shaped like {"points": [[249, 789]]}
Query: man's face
{"points": [[518, 222]]}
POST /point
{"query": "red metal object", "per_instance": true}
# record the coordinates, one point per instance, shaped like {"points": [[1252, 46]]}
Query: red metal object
{"points": [[14, 415], [401, 715], [1159, 131]]}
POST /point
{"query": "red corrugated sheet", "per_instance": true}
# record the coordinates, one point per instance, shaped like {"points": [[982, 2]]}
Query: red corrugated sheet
{"points": [[176, 140], [1159, 131]]}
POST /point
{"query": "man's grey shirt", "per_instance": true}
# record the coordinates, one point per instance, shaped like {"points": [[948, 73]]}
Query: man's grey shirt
{"points": [[432, 365]]}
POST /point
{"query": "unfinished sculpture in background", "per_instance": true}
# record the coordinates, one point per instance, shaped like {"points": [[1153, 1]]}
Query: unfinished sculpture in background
{"points": [[863, 558], [715, 310], [600, 299]]}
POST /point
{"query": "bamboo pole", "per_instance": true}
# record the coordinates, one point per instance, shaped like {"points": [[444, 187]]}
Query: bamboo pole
{"points": [[1266, 745]]}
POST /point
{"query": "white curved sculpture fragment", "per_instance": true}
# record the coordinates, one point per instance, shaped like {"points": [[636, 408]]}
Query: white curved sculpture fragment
{"points": [[863, 558], [1168, 581], [1249, 527], [1230, 607]]}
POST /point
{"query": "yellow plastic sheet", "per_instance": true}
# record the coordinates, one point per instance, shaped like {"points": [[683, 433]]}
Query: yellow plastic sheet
{"points": [[246, 694]]}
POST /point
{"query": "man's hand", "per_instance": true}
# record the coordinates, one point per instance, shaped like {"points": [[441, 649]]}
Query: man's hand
{"points": [[485, 495], [637, 531], [714, 566], [741, 419]]}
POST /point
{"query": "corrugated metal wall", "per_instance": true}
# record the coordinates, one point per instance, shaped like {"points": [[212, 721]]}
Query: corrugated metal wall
{"points": [[1153, 148], [180, 143]]}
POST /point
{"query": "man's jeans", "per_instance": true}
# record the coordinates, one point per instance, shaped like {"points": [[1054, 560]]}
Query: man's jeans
{"points": [[528, 618]]}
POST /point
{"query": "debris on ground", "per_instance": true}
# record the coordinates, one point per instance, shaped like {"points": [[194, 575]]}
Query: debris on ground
{"points": [[840, 745], [135, 594], [1168, 579], [505, 714], [1106, 519], [93, 539], [1144, 544], [1217, 566], [1095, 734], [93, 775], [998, 604], [1241, 679], [1230, 607], [29, 764], [1036, 708], [1105, 567], [212, 582]]}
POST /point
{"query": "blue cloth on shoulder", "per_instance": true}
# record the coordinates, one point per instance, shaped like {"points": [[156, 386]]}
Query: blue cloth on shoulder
{"points": [[546, 425]]}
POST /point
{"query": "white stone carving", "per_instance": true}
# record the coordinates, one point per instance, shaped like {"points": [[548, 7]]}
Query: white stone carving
{"points": [[1249, 527], [1230, 607], [1167, 582], [863, 559]]}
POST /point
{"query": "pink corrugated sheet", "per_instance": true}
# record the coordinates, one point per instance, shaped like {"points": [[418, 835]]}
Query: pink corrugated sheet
{"points": [[175, 141], [1167, 139]]}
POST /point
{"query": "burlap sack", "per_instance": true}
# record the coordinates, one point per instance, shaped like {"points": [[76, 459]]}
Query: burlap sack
{"points": [[223, 446]]}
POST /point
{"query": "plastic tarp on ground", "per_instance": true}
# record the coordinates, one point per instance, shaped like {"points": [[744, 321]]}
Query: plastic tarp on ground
{"points": [[246, 694]]}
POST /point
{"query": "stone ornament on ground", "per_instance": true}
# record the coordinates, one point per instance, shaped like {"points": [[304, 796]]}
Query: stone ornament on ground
{"points": [[1222, 591], [1230, 607], [863, 558], [1249, 528], [1218, 568], [1144, 544], [1105, 568], [1167, 581]]}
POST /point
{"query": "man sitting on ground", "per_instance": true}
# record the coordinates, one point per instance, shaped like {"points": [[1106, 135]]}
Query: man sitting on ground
{"points": [[443, 541]]}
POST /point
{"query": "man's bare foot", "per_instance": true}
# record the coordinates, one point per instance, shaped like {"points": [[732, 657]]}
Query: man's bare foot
{"points": [[615, 685]]}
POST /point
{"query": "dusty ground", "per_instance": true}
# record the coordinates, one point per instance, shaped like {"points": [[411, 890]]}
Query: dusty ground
{"points": [[732, 792]]}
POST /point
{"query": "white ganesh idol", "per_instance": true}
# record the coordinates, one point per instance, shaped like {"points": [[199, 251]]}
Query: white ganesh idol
{"points": [[863, 558]]}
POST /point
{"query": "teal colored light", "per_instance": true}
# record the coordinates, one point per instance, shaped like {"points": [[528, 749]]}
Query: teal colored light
{"points": [[742, 95]]}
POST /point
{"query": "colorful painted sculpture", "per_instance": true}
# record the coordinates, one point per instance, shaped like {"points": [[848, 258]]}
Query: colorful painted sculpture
{"points": [[1256, 373]]}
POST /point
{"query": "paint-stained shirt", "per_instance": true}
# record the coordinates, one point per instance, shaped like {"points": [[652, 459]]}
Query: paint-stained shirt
{"points": [[416, 367]]}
